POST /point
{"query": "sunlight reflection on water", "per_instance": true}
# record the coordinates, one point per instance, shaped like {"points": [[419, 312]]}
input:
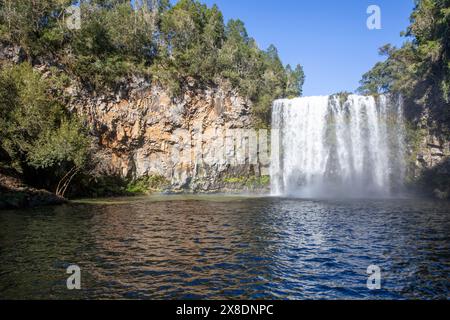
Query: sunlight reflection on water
{"points": [[173, 247]]}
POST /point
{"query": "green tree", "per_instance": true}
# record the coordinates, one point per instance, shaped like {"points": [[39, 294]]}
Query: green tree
{"points": [[295, 81], [35, 130], [420, 69], [34, 25]]}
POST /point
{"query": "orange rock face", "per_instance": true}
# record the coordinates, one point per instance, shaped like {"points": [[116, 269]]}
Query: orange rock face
{"points": [[148, 133]]}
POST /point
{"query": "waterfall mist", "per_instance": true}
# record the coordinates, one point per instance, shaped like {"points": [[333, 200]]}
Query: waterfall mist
{"points": [[327, 146]]}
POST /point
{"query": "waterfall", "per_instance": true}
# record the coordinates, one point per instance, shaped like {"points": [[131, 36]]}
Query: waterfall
{"points": [[326, 147]]}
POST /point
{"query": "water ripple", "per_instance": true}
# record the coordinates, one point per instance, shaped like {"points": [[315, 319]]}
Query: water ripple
{"points": [[229, 248]]}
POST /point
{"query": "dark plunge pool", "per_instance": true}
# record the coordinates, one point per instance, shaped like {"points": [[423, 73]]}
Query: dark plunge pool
{"points": [[224, 247]]}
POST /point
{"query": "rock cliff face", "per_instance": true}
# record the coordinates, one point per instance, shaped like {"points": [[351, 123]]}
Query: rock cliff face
{"points": [[433, 151], [143, 132], [430, 160]]}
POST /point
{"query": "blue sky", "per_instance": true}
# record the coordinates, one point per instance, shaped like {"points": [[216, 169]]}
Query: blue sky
{"points": [[328, 37]]}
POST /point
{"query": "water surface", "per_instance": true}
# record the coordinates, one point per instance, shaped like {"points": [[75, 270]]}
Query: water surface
{"points": [[227, 248]]}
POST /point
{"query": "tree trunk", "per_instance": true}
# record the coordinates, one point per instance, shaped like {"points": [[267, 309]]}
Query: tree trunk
{"points": [[64, 183]]}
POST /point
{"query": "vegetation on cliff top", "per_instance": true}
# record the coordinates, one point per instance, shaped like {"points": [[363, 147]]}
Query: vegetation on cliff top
{"points": [[168, 43], [248, 181]]}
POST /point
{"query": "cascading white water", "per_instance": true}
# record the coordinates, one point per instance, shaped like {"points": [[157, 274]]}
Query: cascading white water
{"points": [[324, 147]]}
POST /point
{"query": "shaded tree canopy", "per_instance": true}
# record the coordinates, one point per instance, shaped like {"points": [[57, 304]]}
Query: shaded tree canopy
{"points": [[36, 132]]}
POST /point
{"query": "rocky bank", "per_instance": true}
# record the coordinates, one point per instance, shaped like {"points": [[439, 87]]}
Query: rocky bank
{"points": [[14, 194]]}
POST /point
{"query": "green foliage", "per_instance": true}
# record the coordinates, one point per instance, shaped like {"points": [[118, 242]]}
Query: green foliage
{"points": [[392, 75], [196, 43], [114, 42], [112, 186], [32, 24], [66, 143], [420, 69], [260, 181], [147, 184], [295, 81], [235, 180], [27, 110], [35, 130], [249, 181]]}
